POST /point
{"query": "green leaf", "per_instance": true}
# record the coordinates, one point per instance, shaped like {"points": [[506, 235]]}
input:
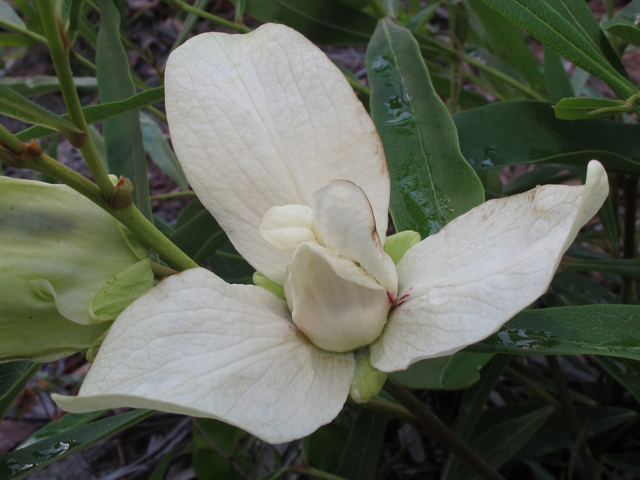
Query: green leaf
{"points": [[501, 441], [207, 463], [42, 84], [625, 371], [576, 289], [325, 445], [453, 372], [526, 132], [191, 236], [578, 13], [507, 42], [8, 17], [24, 462], [554, 436], [160, 471], [463, 370], [31, 327], [596, 329], [68, 422], [14, 377], [103, 111], [362, 451], [16, 106], [123, 136], [578, 108], [554, 31], [471, 407], [160, 152], [625, 24], [327, 22], [431, 183], [558, 83], [190, 22], [616, 266]]}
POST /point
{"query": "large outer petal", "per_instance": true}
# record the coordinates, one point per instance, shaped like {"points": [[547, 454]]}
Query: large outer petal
{"points": [[198, 346], [462, 284], [264, 119]]}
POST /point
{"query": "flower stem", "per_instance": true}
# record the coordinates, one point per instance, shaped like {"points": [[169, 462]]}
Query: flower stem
{"points": [[571, 417], [390, 409], [440, 431], [60, 58], [9, 140], [128, 215]]}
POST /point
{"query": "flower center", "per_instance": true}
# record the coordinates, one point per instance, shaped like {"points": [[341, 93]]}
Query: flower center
{"points": [[339, 283]]}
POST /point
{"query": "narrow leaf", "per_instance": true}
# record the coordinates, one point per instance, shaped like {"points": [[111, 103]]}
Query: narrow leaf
{"points": [[471, 406], [526, 132], [42, 84], [9, 17], [431, 183], [103, 111], [507, 42], [501, 442], [625, 24], [558, 83], [548, 26], [625, 371], [596, 329], [14, 377], [327, 22], [361, 454], [160, 152], [24, 462], [14, 105], [123, 137], [68, 422]]}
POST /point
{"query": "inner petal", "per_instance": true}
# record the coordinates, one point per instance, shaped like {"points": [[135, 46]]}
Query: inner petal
{"points": [[286, 227], [337, 305], [344, 222]]}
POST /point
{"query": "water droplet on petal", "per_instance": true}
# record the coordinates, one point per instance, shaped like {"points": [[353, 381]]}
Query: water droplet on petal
{"points": [[440, 294]]}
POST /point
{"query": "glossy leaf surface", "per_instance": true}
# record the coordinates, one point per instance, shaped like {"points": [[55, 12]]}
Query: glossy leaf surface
{"points": [[551, 28], [596, 329], [24, 462], [431, 183], [525, 132]]}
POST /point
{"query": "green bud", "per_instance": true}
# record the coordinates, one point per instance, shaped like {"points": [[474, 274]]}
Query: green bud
{"points": [[367, 381], [397, 245], [269, 285]]}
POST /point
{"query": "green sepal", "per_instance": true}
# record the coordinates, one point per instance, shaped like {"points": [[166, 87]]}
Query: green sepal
{"points": [[119, 293], [95, 347], [269, 285], [397, 245], [31, 328], [367, 380]]}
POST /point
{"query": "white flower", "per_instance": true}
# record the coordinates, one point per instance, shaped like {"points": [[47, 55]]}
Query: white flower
{"points": [[278, 148]]}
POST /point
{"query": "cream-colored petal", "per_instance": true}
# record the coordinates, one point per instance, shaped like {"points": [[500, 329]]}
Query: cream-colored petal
{"points": [[52, 233], [264, 119], [286, 227], [462, 284], [334, 302], [344, 222], [198, 346]]}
